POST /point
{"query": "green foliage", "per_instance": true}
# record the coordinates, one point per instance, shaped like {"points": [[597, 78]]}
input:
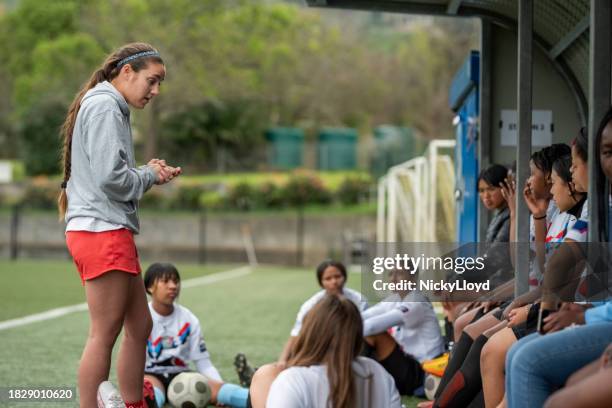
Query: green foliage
{"points": [[59, 66], [262, 193], [18, 168], [187, 198], [269, 195], [354, 190], [212, 200], [154, 199], [198, 133], [241, 197], [40, 140], [31, 22], [305, 188], [41, 193], [234, 68]]}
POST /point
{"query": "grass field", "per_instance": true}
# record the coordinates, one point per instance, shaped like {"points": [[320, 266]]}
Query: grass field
{"points": [[252, 314]]}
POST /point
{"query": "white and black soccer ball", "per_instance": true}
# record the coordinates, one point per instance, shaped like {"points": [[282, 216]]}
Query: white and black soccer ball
{"points": [[189, 390], [431, 385]]}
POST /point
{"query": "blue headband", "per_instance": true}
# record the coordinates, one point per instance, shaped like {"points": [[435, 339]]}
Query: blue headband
{"points": [[138, 55]]}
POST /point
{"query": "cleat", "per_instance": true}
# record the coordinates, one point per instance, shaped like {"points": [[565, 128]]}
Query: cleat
{"points": [[244, 370], [108, 396]]}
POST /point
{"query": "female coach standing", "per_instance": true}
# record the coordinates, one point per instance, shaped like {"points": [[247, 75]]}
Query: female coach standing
{"points": [[99, 201]]}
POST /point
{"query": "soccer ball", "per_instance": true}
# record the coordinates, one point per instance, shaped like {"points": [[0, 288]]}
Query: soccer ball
{"points": [[431, 385], [189, 390]]}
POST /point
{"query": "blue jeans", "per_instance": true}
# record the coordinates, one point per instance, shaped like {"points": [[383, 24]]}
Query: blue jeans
{"points": [[537, 365]]}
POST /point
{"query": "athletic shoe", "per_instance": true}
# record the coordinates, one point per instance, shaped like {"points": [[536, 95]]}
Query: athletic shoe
{"points": [[148, 394], [109, 397], [244, 370], [436, 366]]}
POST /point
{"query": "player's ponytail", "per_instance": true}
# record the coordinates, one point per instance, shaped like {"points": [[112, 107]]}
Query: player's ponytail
{"points": [[107, 72]]}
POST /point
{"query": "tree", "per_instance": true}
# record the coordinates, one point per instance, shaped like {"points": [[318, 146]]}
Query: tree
{"points": [[40, 144]]}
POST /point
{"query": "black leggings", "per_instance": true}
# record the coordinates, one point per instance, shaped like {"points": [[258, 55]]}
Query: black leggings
{"points": [[466, 383], [405, 370], [460, 351]]}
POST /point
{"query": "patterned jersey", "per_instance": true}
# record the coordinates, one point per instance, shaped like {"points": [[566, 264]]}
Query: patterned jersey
{"points": [[563, 226], [578, 231], [174, 341]]}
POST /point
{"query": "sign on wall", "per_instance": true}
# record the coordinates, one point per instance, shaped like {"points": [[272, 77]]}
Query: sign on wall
{"points": [[541, 127], [6, 171]]}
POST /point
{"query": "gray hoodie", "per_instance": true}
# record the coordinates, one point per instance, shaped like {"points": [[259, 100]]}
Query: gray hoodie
{"points": [[104, 182]]}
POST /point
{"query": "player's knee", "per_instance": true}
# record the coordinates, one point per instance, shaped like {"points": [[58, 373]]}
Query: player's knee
{"points": [[105, 334], [492, 354], [491, 331], [470, 330], [370, 340], [139, 331], [265, 373], [464, 319]]}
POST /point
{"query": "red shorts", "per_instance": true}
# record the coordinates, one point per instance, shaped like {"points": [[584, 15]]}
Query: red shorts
{"points": [[95, 253]]}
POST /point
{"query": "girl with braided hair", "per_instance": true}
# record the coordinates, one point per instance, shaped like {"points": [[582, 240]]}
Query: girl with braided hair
{"points": [[99, 202]]}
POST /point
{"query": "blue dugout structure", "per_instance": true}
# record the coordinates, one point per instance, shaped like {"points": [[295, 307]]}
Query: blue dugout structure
{"points": [[543, 64]]}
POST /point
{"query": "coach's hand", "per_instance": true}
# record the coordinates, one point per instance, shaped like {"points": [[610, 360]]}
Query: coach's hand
{"points": [[163, 171]]}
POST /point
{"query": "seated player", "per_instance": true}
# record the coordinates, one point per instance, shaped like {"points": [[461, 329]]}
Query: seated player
{"points": [[331, 276], [401, 332], [587, 387], [324, 368], [480, 377], [176, 339], [464, 366]]}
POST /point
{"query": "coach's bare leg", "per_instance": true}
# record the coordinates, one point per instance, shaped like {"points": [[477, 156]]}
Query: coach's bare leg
{"points": [[137, 328], [107, 297], [261, 383]]}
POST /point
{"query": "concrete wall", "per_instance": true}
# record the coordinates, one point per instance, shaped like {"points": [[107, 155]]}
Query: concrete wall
{"points": [[189, 238], [550, 92]]}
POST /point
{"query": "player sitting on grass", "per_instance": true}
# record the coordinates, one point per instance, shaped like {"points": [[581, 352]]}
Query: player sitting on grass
{"points": [[331, 276], [324, 368], [401, 332], [176, 339]]}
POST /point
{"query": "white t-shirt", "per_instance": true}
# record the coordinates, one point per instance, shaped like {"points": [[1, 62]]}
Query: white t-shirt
{"points": [[579, 229], [176, 340], [412, 323], [561, 226], [308, 387], [357, 298]]}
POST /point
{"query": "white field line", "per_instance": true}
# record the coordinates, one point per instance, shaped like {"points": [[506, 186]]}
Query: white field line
{"points": [[81, 307]]}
